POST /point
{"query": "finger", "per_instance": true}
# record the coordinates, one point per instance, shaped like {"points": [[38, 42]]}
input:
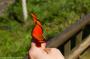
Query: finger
{"points": [[33, 45], [43, 45]]}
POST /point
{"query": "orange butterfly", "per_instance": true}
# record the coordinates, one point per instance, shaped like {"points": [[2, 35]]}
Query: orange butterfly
{"points": [[37, 32]]}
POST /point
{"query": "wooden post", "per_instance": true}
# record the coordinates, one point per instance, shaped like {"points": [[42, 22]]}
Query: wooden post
{"points": [[67, 48], [24, 7], [79, 49], [79, 37]]}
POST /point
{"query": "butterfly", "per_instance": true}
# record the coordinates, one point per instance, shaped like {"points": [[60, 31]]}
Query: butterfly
{"points": [[37, 32]]}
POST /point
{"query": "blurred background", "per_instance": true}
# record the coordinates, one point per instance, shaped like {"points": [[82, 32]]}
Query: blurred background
{"points": [[55, 16]]}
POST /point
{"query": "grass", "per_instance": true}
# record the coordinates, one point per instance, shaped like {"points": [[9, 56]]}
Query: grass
{"points": [[14, 42], [11, 57]]}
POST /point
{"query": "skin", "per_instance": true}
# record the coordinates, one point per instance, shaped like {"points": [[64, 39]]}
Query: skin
{"points": [[44, 53]]}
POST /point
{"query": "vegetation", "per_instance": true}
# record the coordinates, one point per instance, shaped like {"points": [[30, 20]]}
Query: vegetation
{"points": [[55, 15]]}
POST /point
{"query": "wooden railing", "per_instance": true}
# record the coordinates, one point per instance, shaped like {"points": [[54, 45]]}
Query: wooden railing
{"points": [[73, 40], [4, 4]]}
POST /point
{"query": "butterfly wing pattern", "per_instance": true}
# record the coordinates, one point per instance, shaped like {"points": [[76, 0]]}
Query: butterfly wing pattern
{"points": [[37, 32]]}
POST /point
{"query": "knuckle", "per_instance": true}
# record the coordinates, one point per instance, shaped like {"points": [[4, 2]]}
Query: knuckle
{"points": [[55, 49]]}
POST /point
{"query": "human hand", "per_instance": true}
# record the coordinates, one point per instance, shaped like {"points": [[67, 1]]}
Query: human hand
{"points": [[44, 53]]}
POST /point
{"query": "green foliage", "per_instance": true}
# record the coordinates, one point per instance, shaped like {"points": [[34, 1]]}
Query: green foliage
{"points": [[55, 16]]}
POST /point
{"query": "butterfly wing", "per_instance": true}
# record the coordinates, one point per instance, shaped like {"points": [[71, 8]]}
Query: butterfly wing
{"points": [[37, 33]]}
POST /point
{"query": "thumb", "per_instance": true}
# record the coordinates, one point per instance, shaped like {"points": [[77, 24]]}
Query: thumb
{"points": [[43, 45]]}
